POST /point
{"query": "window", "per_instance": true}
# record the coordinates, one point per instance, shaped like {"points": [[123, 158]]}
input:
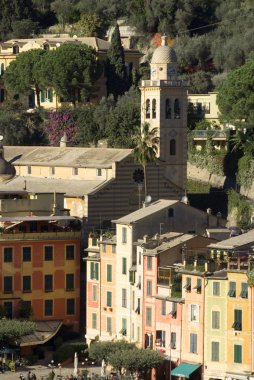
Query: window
{"points": [[46, 47], [48, 253], [109, 273], [168, 109], [26, 253], [69, 281], [113, 249], [173, 312], [124, 265], [124, 235], [1, 68], [15, 49], [193, 343], [237, 353], [173, 340], [70, 306], [69, 252], [109, 299], [216, 288], [163, 307], [149, 316], [154, 108], [52, 170], [232, 289], [177, 109], [132, 277], [187, 286], [48, 308], [29, 170], [237, 325], [47, 95], [7, 254], [215, 319], [147, 108], [124, 297], [124, 327], [8, 284], [104, 247], [172, 147], [48, 283], [74, 171], [26, 284], [8, 309], [215, 352], [99, 172], [94, 321], [198, 287], [194, 313], [94, 293], [244, 290], [171, 212], [160, 338], [94, 271], [109, 325], [138, 307], [149, 288], [149, 262]]}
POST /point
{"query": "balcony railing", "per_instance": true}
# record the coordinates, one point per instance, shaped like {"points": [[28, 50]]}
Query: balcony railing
{"points": [[214, 134], [43, 235], [165, 83]]}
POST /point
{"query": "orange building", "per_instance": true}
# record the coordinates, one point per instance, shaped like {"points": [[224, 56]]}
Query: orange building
{"points": [[40, 268]]}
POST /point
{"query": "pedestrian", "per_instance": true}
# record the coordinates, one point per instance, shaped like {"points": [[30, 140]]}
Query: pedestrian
{"points": [[33, 376], [29, 375]]}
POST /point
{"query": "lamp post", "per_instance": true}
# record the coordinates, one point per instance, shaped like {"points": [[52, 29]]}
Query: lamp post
{"points": [[51, 365]]}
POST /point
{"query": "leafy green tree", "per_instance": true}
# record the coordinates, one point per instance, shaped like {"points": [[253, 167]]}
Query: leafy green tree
{"points": [[65, 11], [25, 311], [87, 131], [115, 67], [102, 350], [89, 25], [146, 143], [22, 76], [70, 70], [12, 330], [123, 120], [236, 96], [24, 28], [102, 112]]}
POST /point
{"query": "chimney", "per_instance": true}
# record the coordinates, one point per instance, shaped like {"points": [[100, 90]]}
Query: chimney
{"points": [[145, 238], [218, 216], [209, 211]]}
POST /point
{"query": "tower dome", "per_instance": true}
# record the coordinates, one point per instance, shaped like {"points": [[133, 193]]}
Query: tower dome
{"points": [[164, 53]]}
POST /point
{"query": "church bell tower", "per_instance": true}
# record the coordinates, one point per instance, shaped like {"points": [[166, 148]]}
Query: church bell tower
{"points": [[164, 106]]}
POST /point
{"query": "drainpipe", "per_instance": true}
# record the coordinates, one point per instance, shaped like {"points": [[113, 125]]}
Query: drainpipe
{"points": [[205, 285]]}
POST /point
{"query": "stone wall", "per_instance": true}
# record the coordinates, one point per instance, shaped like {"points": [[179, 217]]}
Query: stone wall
{"points": [[203, 175]]}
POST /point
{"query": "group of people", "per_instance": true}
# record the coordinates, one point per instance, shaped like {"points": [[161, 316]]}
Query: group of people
{"points": [[30, 376]]}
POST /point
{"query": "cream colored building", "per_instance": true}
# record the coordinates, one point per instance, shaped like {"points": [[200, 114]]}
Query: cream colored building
{"points": [[10, 49]]}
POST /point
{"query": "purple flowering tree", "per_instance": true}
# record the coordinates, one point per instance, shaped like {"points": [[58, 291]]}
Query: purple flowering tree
{"points": [[60, 122]]}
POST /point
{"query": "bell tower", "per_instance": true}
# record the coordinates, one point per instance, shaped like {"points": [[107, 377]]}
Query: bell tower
{"points": [[164, 106]]}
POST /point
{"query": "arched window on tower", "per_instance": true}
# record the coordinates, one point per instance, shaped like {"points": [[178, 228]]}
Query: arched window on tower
{"points": [[148, 109], [154, 109], [177, 109], [172, 147], [15, 49], [168, 109], [1, 68]]}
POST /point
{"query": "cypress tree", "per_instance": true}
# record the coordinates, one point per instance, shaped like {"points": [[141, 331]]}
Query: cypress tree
{"points": [[115, 67]]}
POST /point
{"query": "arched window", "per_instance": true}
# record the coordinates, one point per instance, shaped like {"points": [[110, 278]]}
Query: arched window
{"points": [[168, 109], [15, 49], [46, 47], [177, 109], [1, 68], [172, 147], [154, 109], [148, 109]]}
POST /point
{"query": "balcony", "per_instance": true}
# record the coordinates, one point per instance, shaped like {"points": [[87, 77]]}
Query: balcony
{"points": [[164, 83], [59, 235], [213, 134]]}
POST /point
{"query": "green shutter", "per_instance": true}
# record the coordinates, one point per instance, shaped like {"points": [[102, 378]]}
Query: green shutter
{"points": [[215, 351], [109, 273], [109, 299], [124, 265], [96, 271], [50, 95], [124, 235], [91, 270], [237, 353], [42, 96]]}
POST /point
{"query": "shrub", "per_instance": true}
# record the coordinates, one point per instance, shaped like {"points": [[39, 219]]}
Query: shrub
{"points": [[67, 351]]}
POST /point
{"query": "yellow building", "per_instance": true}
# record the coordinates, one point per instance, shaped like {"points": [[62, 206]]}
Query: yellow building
{"points": [[10, 49]]}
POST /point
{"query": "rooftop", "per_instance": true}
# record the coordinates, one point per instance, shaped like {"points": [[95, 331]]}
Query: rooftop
{"points": [[79, 157], [145, 211], [234, 242], [71, 187]]}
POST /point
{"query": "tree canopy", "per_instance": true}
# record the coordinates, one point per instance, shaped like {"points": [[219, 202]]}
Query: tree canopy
{"points": [[11, 330], [236, 96]]}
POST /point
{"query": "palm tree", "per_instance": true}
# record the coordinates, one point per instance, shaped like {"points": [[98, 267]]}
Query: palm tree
{"points": [[146, 144]]}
